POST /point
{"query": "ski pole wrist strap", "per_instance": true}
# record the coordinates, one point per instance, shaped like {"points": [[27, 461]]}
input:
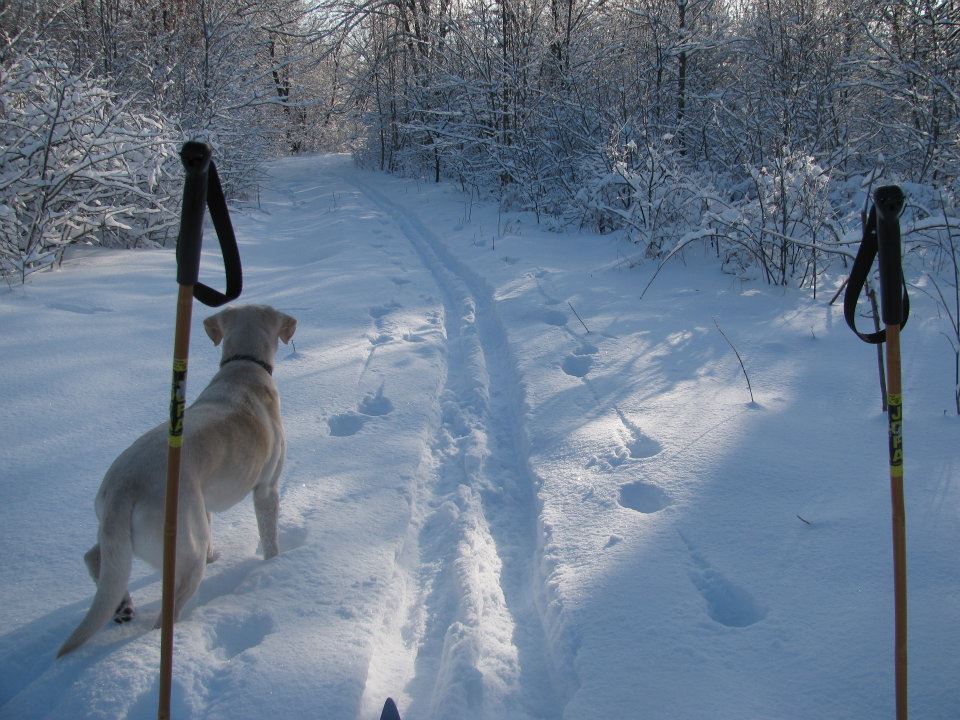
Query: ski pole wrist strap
{"points": [[203, 191], [858, 278], [217, 206]]}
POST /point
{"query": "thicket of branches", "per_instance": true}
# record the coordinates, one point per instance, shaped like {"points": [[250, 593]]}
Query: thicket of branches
{"points": [[755, 127], [759, 126], [97, 95]]}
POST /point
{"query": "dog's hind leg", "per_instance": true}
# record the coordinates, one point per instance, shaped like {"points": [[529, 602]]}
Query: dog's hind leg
{"points": [[189, 575], [188, 580], [124, 611], [193, 549]]}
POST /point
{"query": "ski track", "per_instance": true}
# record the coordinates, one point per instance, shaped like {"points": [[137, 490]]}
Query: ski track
{"points": [[477, 623]]}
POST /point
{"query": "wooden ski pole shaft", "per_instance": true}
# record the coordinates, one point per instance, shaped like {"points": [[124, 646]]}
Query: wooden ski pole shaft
{"points": [[895, 418], [181, 352], [889, 201]]}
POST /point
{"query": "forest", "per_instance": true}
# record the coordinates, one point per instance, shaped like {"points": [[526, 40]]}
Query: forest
{"points": [[754, 128]]}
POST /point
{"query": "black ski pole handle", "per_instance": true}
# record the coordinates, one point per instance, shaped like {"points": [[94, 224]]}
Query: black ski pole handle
{"points": [[889, 203], [202, 190], [881, 236], [196, 167]]}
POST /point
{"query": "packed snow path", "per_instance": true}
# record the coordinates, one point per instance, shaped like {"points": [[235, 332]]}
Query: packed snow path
{"points": [[513, 490], [482, 651]]}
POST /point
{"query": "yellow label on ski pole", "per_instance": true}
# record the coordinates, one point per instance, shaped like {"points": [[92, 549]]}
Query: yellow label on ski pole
{"points": [[895, 415], [178, 401]]}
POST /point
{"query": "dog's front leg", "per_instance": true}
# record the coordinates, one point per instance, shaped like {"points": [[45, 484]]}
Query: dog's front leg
{"points": [[212, 555], [266, 503]]}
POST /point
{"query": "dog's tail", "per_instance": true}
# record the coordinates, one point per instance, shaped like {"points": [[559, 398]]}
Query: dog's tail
{"points": [[116, 561]]}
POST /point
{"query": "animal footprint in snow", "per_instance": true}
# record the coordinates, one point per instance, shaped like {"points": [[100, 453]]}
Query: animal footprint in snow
{"points": [[635, 446], [379, 311], [727, 603], [640, 446], [643, 497], [350, 423], [346, 424], [375, 404], [580, 362], [577, 365]]}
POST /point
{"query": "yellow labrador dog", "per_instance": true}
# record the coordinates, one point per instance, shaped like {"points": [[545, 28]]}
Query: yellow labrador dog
{"points": [[232, 443]]}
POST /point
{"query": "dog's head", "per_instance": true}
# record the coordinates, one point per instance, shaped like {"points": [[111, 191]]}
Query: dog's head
{"points": [[250, 330]]}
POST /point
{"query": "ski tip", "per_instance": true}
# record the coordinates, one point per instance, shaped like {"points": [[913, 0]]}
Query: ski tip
{"points": [[390, 711]]}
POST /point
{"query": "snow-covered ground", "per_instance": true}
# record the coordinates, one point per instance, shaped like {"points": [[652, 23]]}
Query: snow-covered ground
{"points": [[488, 510]]}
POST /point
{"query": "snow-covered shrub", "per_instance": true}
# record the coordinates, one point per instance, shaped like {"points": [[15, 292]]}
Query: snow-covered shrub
{"points": [[781, 219], [642, 187], [76, 164]]}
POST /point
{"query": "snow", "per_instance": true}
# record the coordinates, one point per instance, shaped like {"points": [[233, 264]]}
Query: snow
{"points": [[488, 510]]}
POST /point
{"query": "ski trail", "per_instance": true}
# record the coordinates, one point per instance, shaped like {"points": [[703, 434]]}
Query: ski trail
{"points": [[476, 625]]}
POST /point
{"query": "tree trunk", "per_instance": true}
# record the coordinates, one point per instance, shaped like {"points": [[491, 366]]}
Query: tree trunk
{"points": [[682, 75]]}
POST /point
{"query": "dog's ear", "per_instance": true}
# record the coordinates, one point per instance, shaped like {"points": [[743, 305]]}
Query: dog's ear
{"points": [[288, 326], [213, 328]]}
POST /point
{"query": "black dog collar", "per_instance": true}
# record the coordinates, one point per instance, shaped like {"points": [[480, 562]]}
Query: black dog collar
{"points": [[249, 358]]}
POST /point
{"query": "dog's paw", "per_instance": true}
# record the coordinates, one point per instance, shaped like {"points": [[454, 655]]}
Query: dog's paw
{"points": [[124, 612]]}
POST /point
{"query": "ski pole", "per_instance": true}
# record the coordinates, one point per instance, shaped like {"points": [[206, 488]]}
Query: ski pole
{"points": [[881, 237], [889, 202], [201, 189]]}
